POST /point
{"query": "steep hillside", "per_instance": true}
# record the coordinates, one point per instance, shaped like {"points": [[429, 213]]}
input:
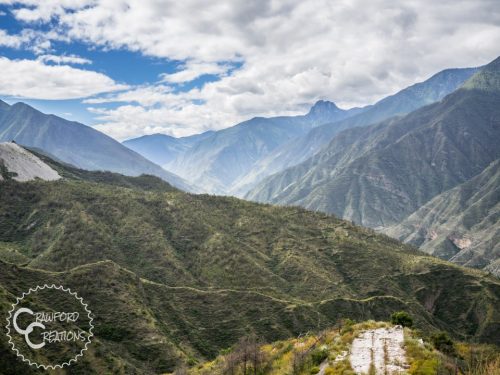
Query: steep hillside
{"points": [[461, 224], [298, 150], [161, 148], [75, 143], [173, 277], [219, 160], [378, 175]]}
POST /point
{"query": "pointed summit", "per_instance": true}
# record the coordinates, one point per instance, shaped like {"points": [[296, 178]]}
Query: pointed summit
{"points": [[322, 107]]}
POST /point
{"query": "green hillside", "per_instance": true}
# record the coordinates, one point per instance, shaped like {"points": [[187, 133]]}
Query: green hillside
{"points": [[173, 277], [461, 224]]}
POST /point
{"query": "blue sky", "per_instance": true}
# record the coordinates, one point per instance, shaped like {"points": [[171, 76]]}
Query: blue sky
{"points": [[134, 67], [121, 65]]}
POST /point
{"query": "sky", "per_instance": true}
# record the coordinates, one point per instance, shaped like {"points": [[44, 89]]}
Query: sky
{"points": [[135, 67]]}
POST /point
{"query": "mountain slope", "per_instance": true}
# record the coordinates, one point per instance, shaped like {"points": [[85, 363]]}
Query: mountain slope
{"points": [[298, 150], [173, 277], [380, 174], [461, 224], [161, 148], [75, 143], [219, 160]]}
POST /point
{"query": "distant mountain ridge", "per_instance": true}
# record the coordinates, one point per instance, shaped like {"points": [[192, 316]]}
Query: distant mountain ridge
{"points": [[380, 174], [233, 160], [298, 150], [219, 160], [162, 149], [75, 143]]}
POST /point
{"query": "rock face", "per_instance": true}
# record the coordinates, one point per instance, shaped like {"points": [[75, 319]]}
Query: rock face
{"points": [[22, 165], [380, 349]]}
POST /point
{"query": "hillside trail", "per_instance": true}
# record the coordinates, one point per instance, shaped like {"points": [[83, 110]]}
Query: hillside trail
{"points": [[381, 350]]}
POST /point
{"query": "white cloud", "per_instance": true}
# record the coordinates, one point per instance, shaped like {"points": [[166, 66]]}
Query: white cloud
{"points": [[13, 41], [146, 96], [36, 41], [293, 52], [193, 70], [64, 59], [33, 79]]}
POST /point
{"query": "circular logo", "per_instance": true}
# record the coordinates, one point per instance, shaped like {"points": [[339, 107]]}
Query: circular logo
{"points": [[49, 327]]}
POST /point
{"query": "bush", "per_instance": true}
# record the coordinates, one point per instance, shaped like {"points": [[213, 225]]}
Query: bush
{"points": [[318, 356], [443, 343], [402, 318], [315, 370]]}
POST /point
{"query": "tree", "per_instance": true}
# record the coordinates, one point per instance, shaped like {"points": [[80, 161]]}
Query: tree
{"points": [[246, 356], [402, 318], [231, 362]]}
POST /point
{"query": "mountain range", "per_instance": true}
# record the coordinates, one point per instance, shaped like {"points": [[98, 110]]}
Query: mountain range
{"points": [[237, 158], [403, 102], [225, 156], [375, 165], [380, 174], [75, 143], [174, 278]]}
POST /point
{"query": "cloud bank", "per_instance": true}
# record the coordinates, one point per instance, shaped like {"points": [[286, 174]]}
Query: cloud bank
{"points": [[289, 53]]}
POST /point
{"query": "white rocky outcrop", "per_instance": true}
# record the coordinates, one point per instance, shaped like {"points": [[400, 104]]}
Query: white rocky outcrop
{"points": [[24, 165], [381, 348]]}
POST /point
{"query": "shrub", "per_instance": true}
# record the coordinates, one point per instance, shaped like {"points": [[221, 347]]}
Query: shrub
{"points": [[443, 343], [318, 356], [424, 367], [402, 318], [315, 370]]}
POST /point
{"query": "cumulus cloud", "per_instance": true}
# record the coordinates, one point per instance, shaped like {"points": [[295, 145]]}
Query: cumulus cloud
{"points": [[192, 70], [11, 41], [33, 79], [291, 52], [64, 59]]}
